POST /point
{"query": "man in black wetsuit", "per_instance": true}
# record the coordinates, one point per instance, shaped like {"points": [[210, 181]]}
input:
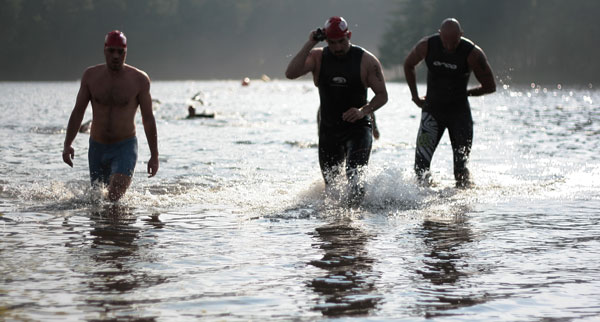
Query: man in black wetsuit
{"points": [[342, 72], [450, 58]]}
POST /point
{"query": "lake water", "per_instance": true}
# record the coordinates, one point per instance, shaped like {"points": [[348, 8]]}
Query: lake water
{"points": [[235, 225]]}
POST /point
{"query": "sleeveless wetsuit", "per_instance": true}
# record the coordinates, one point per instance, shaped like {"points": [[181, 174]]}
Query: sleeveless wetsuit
{"points": [[341, 88], [446, 107]]}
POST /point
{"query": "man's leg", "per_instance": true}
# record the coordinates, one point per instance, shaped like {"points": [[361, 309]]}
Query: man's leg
{"points": [[331, 157], [118, 186], [122, 168], [99, 167], [428, 138], [358, 149], [461, 138]]}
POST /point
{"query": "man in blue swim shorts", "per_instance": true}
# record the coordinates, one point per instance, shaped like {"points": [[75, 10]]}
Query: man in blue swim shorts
{"points": [[115, 90]]}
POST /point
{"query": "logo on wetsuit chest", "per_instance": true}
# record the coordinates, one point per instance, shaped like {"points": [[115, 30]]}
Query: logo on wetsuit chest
{"points": [[338, 81], [444, 64]]}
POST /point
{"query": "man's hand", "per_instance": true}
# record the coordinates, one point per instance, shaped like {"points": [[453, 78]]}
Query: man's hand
{"points": [[313, 37], [152, 166], [68, 154], [419, 101], [352, 115]]}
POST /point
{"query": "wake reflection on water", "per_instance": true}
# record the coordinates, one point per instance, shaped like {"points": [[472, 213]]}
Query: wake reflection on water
{"points": [[348, 287], [444, 266], [113, 275], [228, 248]]}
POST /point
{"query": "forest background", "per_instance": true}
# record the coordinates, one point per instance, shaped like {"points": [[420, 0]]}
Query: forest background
{"points": [[526, 41]]}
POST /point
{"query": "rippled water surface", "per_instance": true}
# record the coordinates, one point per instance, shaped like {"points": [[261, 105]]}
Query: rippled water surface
{"points": [[236, 227]]}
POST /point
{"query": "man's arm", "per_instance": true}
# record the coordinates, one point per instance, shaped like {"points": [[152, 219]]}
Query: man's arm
{"points": [[81, 103], [304, 61], [376, 81], [416, 55], [149, 122], [483, 72]]}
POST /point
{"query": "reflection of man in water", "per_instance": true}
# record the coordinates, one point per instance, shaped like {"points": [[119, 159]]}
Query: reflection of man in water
{"points": [[445, 264], [443, 241], [348, 287], [118, 254], [450, 59], [115, 90], [342, 72]]}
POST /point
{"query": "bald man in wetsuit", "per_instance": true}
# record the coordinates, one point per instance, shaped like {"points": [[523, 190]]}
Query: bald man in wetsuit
{"points": [[115, 90], [450, 58], [343, 73]]}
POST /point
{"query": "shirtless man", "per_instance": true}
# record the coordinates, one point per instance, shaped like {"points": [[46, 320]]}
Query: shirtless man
{"points": [[343, 73], [450, 58], [115, 90]]}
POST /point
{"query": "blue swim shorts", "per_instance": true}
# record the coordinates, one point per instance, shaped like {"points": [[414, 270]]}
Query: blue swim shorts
{"points": [[108, 159]]}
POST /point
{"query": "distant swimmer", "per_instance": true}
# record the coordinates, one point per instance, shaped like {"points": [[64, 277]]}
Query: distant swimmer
{"points": [[198, 97], [86, 127], [450, 58], [115, 90], [343, 73], [155, 104], [192, 114]]}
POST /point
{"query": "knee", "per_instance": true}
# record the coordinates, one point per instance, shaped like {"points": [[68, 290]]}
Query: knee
{"points": [[118, 185], [114, 196]]}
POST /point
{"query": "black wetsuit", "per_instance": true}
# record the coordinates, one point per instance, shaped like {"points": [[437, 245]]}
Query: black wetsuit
{"points": [[341, 88], [446, 107]]}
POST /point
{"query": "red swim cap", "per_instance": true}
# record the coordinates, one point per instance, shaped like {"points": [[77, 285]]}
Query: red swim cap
{"points": [[115, 38], [336, 27]]}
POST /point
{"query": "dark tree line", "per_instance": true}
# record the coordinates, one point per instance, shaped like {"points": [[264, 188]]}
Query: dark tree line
{"points": [[171, 39], [542, 41], [552, 41]]}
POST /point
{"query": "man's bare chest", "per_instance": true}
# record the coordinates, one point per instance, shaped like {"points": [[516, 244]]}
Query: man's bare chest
{"points": [[114, 94]]}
